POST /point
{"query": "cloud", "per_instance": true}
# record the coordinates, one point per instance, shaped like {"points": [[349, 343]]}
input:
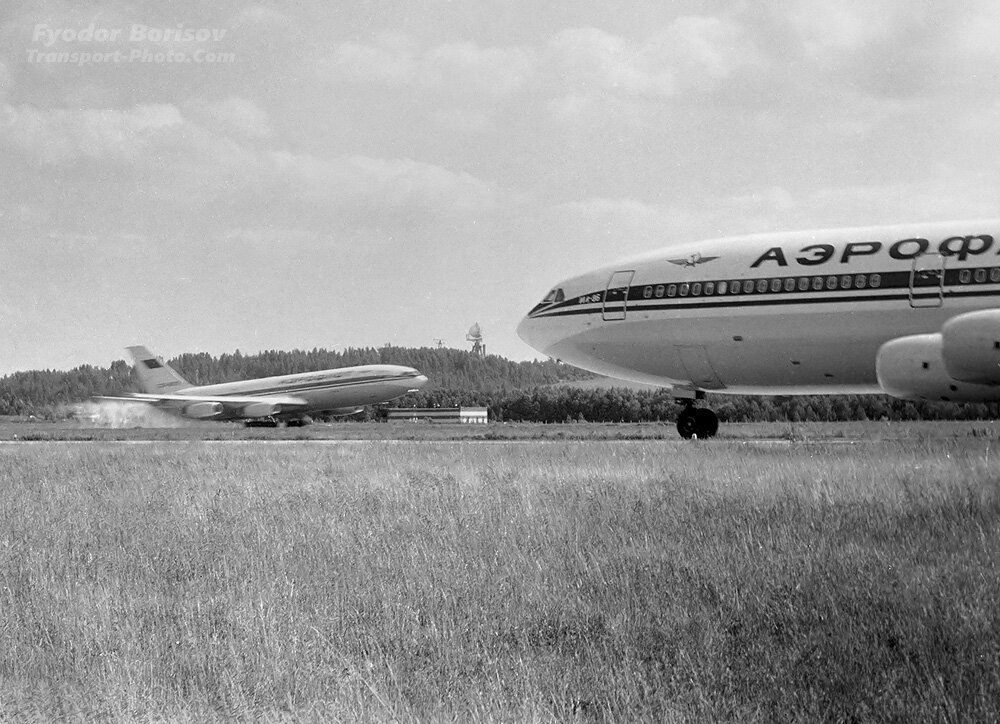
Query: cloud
{"points": [[5, 81], [462, 68], [60, 136], [377, 186], [588, 59], [262, 16], [625, 225], [463, 120], [690, 53], [497, 72], [831, 29], [233, 116], [183, 162], [888, 50], [390, 61]]}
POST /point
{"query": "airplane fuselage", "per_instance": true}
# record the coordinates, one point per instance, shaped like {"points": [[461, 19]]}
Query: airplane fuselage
{"points": [[322, 391], [791, 313]]}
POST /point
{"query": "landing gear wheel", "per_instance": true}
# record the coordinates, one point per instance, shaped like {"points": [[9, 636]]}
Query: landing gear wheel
{"points": [[707, 421], [687, 423], [261, 422], [701, 422]]}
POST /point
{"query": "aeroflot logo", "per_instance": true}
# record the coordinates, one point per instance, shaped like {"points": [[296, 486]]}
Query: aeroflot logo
{"points": [[693, 260], [815, 254]]}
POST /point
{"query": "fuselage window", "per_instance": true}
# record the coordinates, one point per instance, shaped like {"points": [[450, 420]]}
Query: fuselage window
{"points": [[748, 286], [672, 290], [775, 285], [860, 281], [803, 284], [831, 282], [709, 288], [845, 281], [647, 292], [980, 276], [817, 284], [790, 284], [995, 274], [965, 276], [659, 291], [685, 288], [875, 281], [734, 287], [696, 289]]}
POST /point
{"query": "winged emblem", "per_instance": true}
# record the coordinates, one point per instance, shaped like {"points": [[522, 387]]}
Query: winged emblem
{"points": [[692, 260]]}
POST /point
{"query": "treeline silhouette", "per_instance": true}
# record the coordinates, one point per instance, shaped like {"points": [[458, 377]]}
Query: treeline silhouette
{"points": [[513, 391], [48, 392]]}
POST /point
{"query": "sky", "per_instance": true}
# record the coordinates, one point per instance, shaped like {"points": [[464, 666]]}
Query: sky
{"points": [[211, 176]]}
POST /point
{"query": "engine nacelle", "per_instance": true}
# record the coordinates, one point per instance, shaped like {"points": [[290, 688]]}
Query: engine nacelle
{"points": [[912, 368], [971, 347], [261, 409], [203, 409]]}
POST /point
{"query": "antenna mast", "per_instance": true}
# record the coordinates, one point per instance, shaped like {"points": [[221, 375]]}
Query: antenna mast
{"points": [[475, 335]]}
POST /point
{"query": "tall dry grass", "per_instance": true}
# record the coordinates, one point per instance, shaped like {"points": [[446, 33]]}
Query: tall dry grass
{"points": [[508, 581]]}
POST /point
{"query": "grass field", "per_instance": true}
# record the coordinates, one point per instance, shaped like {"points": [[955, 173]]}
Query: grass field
{"points": [[595, 580], [177, 429]]}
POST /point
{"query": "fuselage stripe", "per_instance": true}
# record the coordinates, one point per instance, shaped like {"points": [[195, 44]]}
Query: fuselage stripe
{"points": [[319, 385], [782, 291]]}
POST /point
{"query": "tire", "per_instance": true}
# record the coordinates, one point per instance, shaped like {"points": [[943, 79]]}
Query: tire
{"points": [[687, 423], [707, 422]]}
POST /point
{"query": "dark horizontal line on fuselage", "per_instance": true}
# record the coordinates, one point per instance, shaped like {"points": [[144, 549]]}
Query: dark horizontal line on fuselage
{"points": [[763, 299], [932, 280], [306, 388]]}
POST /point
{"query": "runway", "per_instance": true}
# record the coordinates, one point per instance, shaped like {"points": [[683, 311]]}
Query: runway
{"points": [[678, 444]]}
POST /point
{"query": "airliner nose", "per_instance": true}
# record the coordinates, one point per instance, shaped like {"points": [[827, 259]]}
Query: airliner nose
{"points": [[414, 380], [535, 332]]}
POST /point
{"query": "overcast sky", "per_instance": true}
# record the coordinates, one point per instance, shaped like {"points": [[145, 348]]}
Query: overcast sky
{"points": [[332, 174]]}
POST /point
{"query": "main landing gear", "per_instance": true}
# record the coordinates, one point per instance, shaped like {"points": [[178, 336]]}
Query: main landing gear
{"points": [[698, 421], [275, 422]]}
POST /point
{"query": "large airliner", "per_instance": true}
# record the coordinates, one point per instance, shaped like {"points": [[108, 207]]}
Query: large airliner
{"points": [[910, 310], [270, 400]]}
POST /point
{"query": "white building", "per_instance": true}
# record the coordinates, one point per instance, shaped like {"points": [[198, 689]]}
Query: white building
{"points": [[464, 415]]}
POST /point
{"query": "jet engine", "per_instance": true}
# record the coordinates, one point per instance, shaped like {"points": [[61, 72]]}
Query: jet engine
{"points": [[261, 409], [203, 409], [970, 347], [916, 368]]}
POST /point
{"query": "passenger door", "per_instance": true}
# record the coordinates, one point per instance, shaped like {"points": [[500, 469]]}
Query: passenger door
{"points": [[616, 295], [927, 281]]}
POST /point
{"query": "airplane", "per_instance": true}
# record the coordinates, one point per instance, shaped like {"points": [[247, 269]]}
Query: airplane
{"points": [[270, 400], [911, 310]]}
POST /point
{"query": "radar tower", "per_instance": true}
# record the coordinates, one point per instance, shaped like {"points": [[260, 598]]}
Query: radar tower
{"points": [[475, 335]]}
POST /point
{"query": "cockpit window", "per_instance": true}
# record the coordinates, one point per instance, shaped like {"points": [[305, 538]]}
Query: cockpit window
{"points": [[554, 297]]}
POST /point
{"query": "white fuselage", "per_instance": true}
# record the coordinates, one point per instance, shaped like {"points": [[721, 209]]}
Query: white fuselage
{"points": [[324, 390], [791, 313]]}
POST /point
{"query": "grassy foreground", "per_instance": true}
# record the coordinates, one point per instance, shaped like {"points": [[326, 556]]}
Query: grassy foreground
{"points": [[566, 581], [165, 428]]}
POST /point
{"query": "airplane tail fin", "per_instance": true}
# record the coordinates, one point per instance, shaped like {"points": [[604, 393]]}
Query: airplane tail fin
{"points": [[155, 375]]}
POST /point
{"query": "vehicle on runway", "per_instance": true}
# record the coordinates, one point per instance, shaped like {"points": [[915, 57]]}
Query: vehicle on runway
{"points": [[910, 310], [291, 399]]}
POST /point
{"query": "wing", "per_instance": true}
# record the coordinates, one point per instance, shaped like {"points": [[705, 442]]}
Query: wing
{"points": [[218, 406]]}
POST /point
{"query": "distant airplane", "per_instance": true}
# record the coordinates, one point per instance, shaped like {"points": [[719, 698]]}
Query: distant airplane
{"points": [[269, 400], [910, 310]]}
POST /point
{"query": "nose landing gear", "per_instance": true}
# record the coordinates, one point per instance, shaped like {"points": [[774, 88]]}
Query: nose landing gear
{"points": [[698, 421]]}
